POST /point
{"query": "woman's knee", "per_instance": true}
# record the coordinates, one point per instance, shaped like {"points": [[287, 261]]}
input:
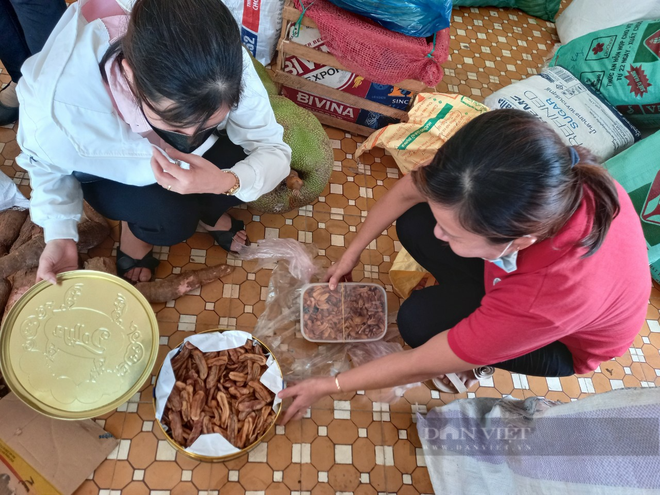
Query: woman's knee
{"points": [[415, 324], [179, 230], [404, 226], [416, 221]]}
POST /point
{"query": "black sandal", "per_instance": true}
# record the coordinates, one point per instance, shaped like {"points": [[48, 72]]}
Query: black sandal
{"points": [[224, 238], [126, 263]]}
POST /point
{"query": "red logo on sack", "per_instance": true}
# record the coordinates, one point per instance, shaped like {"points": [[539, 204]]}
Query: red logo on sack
{"points": [[651, 210], [638, 81], [598, 48], [653, 43], [251, 15]]}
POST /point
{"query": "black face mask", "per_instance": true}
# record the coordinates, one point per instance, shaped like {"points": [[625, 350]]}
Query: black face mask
{"points": [[181, 142]]}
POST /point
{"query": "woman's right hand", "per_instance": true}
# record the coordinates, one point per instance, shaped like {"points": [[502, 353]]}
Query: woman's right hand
{"points": [[60, 255], [341, 270]]}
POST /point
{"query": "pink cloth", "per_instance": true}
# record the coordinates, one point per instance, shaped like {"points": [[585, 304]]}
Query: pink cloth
{"points": [[98, 9], [115, 19]]}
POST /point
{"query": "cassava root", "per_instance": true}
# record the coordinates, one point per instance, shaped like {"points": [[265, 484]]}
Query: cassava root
{"points": [[160, 291], [172, 287], [11, 221]]}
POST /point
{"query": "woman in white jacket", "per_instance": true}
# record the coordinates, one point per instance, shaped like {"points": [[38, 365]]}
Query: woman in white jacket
{"points": [[157, 119]]}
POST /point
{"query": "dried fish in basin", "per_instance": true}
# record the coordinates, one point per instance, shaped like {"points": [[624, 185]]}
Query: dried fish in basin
{"points": [[219, 392]]}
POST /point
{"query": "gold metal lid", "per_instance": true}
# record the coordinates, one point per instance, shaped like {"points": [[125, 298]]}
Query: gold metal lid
{"points": [[79, 349]]}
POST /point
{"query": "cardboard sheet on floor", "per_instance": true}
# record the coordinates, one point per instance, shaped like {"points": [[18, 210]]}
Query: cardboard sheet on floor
{"points": [[45, 456]]}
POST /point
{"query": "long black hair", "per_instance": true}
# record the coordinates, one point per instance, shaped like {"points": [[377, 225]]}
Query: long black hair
{"points": [[186, 51], [509, 174]]}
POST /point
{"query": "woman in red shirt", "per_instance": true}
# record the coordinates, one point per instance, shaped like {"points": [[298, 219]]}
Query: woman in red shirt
{"points": [[565, 281]]}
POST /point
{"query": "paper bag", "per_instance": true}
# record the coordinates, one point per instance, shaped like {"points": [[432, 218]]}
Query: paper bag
{"points": [[433, 119]]}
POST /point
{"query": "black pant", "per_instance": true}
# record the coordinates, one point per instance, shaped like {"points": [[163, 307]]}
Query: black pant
{"points": [[156, 215], [24, 28], [432, 310]]}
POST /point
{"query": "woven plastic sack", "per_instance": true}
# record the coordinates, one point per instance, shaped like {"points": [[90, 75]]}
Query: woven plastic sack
{"points": [[580, 17], [637, 169], [545, 9], [623, 64], [578, 114], [420, 18], [260, 23], [433, 119], [370, 50]]}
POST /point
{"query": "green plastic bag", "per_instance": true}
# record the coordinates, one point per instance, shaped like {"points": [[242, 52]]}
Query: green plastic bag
{"points": [[638, 170], [623, 64], [545, 9]]}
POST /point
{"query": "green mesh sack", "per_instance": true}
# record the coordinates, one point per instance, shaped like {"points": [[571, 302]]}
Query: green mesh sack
{"points": [[637, 169], [312, 157], [545, 9]]}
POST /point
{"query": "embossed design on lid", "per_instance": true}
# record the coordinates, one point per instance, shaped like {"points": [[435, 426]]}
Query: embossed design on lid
{"points": [[81, 348]]}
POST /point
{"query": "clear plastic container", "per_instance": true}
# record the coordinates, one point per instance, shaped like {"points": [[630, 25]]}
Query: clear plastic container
{"points": [[354, 312]]}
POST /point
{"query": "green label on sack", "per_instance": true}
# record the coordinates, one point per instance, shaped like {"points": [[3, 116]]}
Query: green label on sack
{"points": [[426, 127]]}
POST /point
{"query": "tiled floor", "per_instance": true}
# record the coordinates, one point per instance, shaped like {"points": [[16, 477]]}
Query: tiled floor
{"points": [[351, 443]]}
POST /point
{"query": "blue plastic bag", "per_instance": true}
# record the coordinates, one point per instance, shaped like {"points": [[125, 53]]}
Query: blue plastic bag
{"points": [[419, 18]]}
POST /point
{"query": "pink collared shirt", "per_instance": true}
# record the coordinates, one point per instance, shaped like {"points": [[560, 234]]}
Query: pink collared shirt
{"points": [[115, 20]]}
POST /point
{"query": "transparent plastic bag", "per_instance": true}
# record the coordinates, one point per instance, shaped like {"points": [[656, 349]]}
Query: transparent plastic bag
{"points": [[295, 267], [363, 353], [279, 324]]}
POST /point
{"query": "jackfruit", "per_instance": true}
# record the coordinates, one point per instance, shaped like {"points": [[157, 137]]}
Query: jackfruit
{"points": [[311, 154], [268, 83]]}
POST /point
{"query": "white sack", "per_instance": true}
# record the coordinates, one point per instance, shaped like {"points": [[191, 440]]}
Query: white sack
{"points": [[259, 22], [579, 115], [586, 16]]}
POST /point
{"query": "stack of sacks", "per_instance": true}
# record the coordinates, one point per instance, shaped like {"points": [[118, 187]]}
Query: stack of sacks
{"points": [[603, 80], [600, 83], [615, 49], [620, 61]]}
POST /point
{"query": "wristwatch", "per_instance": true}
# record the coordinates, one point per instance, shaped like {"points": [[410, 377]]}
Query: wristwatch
{"points": [[236, 187]]}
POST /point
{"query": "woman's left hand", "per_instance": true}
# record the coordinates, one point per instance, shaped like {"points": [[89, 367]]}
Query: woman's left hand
{"points": [[305, 394], [202, 177]]}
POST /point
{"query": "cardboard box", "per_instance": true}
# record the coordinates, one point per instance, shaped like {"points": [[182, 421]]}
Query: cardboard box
{"points": [[322, 104], [342, 80], [338, 109], [44, 456]]}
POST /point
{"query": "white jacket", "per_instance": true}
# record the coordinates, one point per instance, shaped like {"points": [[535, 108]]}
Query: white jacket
{"points": [[68, 123]]}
